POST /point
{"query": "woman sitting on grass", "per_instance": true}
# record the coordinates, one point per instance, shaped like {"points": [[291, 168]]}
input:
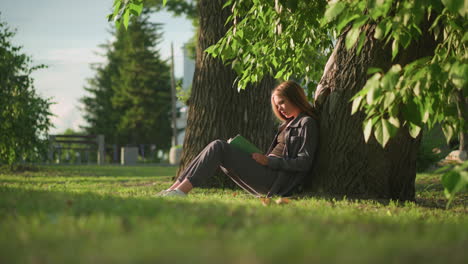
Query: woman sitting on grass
{"points": [[282, 171]]}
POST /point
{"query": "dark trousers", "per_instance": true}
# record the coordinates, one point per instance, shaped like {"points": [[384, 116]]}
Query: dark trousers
{"points": [[238, 165]]}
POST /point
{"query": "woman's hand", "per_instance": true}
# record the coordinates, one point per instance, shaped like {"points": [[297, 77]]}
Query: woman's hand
{"points": [[260, 158]]}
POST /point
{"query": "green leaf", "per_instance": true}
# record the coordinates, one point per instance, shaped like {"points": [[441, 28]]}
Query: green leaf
{"points": [[405, 40], [373, 93], [394, 121], [378, 8], [164, 2], [425, 116], [388, 27], [352, 36], [356, 104], [394, 48], [465, 37], [450, 181], [274, 62], [110, 17], [137, 7], [455, 181], [334, 10], [387, 132], [370, 86], [373, 70], [458, 75], [417, 88], [240, 33], [382, 132], [225, 5], [414, 130], [117, 7], [389, 99], [390, 79], [126, 18], [380, 30], [362, 38], [343, 22], [455, 25], [211, 50], [367, 130], [392, 126], [411, 112], [456, 6], [280, 73], [448, 132], [395, 69], [361, 20]]}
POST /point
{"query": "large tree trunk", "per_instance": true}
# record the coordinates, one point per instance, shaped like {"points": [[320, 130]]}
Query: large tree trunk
{"points": [[216, 109], [346, 165]]}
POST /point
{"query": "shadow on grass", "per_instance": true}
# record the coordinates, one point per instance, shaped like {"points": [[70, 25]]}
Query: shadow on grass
{"points": [[95, 180], [91, 170], [428, 196], [22, 202]]}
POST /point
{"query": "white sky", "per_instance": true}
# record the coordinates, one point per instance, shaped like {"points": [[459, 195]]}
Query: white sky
{"points": [[65, 34]]}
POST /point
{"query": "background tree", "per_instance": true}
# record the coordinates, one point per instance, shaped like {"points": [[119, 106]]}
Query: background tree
{"points": [[24, 115], [130, 95], [99, 113]]}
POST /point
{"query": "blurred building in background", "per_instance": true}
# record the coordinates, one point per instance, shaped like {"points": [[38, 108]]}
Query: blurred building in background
{"points": [[189, 69]]}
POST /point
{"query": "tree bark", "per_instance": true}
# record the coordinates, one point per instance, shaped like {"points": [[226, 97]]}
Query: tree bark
{"points": [[346, 165], [462, 109], [216, 109]]}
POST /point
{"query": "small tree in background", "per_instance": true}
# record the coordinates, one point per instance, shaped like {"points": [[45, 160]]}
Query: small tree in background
{"points": [[99, 113], [24, 115], [130, 95]]}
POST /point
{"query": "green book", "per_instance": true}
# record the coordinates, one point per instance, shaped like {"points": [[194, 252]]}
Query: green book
{"points": [[243, 144]]}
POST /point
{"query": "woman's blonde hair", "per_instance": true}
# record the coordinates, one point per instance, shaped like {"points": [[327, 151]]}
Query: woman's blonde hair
{"points": [[296, 95]]}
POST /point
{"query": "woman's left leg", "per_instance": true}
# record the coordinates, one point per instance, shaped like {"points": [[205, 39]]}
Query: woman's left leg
{"points": [[220, 153]]}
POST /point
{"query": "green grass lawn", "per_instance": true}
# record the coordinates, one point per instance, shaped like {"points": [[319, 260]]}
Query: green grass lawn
{"points": [[109, 214]]}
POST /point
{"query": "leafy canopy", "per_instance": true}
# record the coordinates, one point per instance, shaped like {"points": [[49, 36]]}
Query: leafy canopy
{"points": [[124, 9], [24, 115], [129, 99], [424, 91]]}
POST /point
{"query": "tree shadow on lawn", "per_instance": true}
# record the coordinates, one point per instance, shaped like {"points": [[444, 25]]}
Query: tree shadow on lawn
{"points": [[25, 202], [126, 182], [429, 196], [427, 199], [92, 171]]}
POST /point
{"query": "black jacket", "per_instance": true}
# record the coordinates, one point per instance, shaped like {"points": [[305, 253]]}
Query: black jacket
{"points": [[301, 138]]}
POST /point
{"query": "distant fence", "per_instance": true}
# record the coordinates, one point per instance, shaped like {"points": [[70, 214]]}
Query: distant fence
{"points": [[146, 152], [85, 143], [80, 147]]}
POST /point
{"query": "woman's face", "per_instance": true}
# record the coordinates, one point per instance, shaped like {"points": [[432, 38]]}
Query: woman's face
{"points": [[285, 107]]}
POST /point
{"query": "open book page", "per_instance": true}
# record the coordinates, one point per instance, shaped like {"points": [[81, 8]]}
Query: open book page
{"points": [[243, 144]]}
